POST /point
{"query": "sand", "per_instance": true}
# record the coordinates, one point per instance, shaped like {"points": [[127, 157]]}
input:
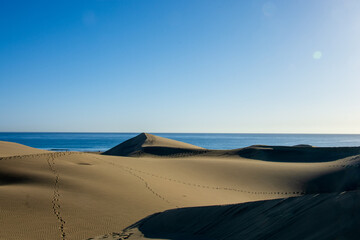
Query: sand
{"points": [[13, 149], [319, 216], [72, 195], [147, 143]]}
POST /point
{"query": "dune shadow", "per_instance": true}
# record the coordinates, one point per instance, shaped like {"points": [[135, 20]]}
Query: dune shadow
{"points": [[9, 177], [296, 218], [168, 151], [346, 179], [297, 154]]}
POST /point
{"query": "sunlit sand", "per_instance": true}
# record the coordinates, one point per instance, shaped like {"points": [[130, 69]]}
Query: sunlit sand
{"points": [[295, 192]]}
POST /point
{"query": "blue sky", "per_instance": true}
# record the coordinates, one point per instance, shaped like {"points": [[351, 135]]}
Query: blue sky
{"points": [[180, 66]]}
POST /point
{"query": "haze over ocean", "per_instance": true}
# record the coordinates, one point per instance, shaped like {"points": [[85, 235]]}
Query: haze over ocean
{"points": [[105, 141]]}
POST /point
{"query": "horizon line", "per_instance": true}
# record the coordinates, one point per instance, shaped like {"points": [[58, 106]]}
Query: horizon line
{"points": [[183, 132]]}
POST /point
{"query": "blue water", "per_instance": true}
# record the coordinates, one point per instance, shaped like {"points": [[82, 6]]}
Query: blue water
{"points": [[104, 141]]}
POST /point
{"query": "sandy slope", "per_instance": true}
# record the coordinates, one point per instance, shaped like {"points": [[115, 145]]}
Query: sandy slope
{"points": [[320, 216], [80, 195], [148, 143], [13, 149]]}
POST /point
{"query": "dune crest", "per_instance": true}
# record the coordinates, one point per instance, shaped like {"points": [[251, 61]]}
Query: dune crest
{"points": [[151, 144]]}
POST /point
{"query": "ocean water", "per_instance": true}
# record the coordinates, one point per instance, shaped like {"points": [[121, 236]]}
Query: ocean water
{"points": [[104, 141]]}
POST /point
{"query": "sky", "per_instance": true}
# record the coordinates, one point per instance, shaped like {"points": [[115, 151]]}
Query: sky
{"points": [[225, 66]]}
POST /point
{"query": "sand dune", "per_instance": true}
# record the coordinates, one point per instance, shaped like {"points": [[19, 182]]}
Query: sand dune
{"points": [[72, 195], [300, 153], [13, 149], [146, 143], [320, 216], [150, 145]]}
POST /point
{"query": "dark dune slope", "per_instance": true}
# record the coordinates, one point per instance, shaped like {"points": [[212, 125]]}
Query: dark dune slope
{"points": [[321, 216], [297, 154]]}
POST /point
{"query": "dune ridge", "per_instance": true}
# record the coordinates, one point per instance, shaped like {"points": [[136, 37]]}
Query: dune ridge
{"points": [[146, 143]]}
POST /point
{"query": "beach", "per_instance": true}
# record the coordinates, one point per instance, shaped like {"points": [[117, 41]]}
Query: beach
{"points": [[158, 188]]}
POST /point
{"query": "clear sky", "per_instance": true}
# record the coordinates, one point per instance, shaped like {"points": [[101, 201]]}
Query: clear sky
{"points": [[180, 66]]}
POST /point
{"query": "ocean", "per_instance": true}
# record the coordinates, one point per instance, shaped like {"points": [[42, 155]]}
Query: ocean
{"points": [[105, 141]]}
